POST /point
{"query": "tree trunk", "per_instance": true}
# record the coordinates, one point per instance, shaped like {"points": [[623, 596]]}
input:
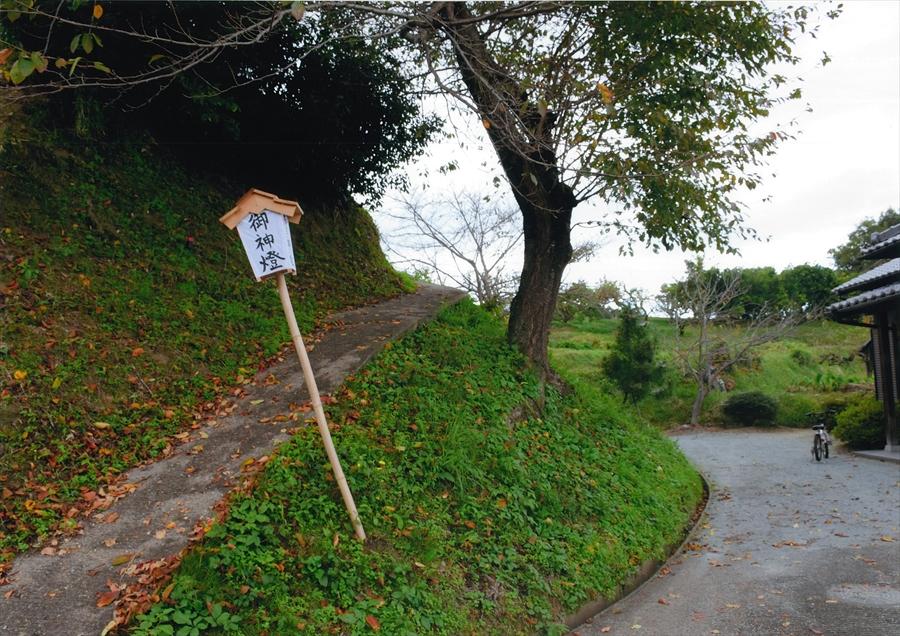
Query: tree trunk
{"points": [[702, 392], [529, 162], [547, 252]]}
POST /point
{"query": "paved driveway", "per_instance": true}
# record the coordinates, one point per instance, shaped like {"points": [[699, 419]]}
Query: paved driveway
{"points": [[788, 546]]}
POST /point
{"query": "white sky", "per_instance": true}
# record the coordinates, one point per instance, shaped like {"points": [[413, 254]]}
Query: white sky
{"points": [[843, 167]]}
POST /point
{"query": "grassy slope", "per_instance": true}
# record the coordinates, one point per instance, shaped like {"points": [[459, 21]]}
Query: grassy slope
{"points": [[800, 387], [108, 315], [478, 524]]}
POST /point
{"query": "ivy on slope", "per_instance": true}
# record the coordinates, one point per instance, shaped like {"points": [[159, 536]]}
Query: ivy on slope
{"points": [[126, 307], [478, 522]]}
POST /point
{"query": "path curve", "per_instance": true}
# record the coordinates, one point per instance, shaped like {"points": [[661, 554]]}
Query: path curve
{"points": [[788, 546], [56, 594]]}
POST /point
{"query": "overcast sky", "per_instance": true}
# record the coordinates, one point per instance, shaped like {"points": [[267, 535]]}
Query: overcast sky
{"points": [[843, 167]]}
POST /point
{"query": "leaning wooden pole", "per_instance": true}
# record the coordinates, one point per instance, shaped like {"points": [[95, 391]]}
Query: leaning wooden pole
{"points": [[310, 380]]}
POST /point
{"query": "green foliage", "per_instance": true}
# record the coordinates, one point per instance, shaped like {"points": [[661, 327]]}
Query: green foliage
{"points": [[479, 521], [861, 424], [808, 287], [763, 290], [580, 347], [631, 363], [846, 255], [802, 357], [580, 299], [124, 301], [750, 408], [341, 120]]}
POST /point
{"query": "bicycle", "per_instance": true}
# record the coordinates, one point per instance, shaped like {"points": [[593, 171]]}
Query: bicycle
{"points": [[821, 442]]}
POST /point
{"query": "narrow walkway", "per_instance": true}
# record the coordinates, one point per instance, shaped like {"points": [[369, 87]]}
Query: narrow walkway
{"points": [[55, 592], [788, 546]]}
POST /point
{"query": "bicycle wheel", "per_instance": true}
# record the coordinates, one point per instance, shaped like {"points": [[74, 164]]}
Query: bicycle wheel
{"points": [[827, 446], [817, 448]]}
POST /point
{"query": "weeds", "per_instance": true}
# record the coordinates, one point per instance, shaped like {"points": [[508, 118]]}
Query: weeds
{"points": [[476, 524]]}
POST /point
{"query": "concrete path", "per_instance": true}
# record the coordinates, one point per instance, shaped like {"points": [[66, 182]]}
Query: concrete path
{"points": [[788, 546], [55, 592]]}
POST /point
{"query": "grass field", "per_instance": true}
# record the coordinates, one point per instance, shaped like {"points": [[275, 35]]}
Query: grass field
{"points": [[483, 515], [816, 363], [126, 308]]}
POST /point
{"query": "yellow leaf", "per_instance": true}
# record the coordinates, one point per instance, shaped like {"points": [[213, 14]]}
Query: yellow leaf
{"points": [[101, 425], [122, 559], [20, 375], [98, 12], [57, 382], [605, 93], [887, 538]]}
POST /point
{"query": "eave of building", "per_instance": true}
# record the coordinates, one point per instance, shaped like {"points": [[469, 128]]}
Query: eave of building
{"points": [[885, 245], [873, 300], [876, 277]]}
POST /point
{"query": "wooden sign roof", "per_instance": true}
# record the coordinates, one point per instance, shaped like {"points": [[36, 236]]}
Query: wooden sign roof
{"points": [[255, 201]]}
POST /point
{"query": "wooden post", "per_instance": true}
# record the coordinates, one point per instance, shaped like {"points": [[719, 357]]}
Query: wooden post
{"points": [[317, 407]]}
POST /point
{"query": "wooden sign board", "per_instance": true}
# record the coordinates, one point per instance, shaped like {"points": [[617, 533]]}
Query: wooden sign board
{"points": [[267, 240], [262, 221]]}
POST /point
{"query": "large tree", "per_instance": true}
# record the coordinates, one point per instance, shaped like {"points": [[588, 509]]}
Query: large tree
{"points": [[647, 107]]}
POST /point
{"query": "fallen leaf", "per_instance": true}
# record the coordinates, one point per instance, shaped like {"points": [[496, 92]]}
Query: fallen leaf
{"points": [[106, 598], [137, 351], [815, 631], [20, 375], [160, 534], [101, 425], [122, 559], [663, 601], [48, 551], [109, 542], [605, 630], [166, 592], [255, 402], [372, 622], [112, 517], [635, 626], [887, 538]]}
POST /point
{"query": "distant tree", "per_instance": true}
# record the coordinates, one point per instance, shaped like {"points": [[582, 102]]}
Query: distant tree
{"points": [[719, 338], [463, 241], [649, 107], [761, 292], [808, 287], [580, 299], [846, 255], [631, 364]]}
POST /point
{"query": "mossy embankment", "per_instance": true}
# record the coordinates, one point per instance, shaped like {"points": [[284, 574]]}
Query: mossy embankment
{"points": [[126, 308], [484, 515]]}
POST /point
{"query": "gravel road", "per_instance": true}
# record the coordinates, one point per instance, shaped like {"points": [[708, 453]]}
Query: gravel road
{"points": [[787, 546]]}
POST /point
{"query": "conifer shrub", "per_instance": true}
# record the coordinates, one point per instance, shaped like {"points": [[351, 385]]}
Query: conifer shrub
{"points": [[631, 364]]}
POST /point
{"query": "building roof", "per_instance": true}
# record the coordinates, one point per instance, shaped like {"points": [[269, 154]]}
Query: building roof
{"points": [[880, 275], [885, 244], [863, 303]]}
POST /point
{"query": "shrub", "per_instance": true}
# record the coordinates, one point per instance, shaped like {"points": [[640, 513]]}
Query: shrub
{"points": [[749, 409], [861, 424], [802, 357], [797, 410]]}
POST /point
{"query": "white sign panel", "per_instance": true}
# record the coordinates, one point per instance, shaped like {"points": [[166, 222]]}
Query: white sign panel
{"points": [[267, 241]]}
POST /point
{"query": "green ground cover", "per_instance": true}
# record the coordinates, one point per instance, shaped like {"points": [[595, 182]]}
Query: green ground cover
{"points": [[814, 366], [483, 516], [126, 307]]}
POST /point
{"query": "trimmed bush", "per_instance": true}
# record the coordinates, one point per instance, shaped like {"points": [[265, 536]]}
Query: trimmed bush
{"points": [[750, 409], [861, 424]]}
